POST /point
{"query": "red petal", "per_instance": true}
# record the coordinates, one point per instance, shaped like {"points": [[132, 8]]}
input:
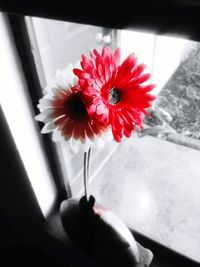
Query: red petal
{"points": [[143, 78], [117, 125], [127, 123], [98, 60], [90, 81], [85, 75], [91, 110], [95, 128], [148, 88], [96, 53], [83, 133], [81, 82], [87, 64], [77, 131], [89, 131], [116, 136], [100, 109], [107, 70], [139, 69], [90, 90], [106, 53], [138, 117], [98, 82], [100, 70], [61, 122], [68, 129], [129, 63], [77, 72]]}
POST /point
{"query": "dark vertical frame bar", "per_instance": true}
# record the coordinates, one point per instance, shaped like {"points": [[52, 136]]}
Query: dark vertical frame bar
{"points": [[17, 199], [24, 49]]}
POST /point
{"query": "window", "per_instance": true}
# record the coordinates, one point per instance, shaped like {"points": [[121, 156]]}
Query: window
{"points": [[54, 46], [155, 175], [152, 180]]}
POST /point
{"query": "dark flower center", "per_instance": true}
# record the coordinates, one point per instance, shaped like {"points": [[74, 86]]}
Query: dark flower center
{"points": [[75, 108], [114, 96]]}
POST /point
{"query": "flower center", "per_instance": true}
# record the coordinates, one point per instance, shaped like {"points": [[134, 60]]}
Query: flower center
{"points": [[114, 96], [75, 108]]}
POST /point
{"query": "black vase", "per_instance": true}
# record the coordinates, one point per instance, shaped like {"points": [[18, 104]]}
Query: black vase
{"points": [[101, 234]]}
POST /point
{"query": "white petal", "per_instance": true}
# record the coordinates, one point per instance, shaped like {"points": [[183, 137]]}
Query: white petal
{"points": [[61, 82], [74, 145], [45, 115], [44, 103], [47, 119], [40, 117], [48, 127], [48, 90], [47, 96], [56, 136], [48, 111], [55, 90]]}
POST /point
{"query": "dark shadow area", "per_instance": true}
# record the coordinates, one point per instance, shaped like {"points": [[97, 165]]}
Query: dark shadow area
{"points": [[26, 256], [174, 17]]}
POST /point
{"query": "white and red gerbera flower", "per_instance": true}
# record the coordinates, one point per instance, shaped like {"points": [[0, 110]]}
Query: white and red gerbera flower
{"points": [[115, 94], [64, 112], [82, 104]]}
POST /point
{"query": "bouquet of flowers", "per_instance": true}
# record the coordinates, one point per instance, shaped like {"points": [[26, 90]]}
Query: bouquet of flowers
{"points": [[96, 100]]}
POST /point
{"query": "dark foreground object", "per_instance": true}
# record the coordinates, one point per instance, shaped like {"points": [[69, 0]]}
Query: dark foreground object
{"points": [[102, 235]]}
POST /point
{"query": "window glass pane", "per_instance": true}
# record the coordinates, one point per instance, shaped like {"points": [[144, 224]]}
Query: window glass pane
{"points": [[155, 174], [151, 180], [56, 44]]}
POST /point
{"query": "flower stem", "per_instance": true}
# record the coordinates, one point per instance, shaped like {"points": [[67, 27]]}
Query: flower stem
{"points": [[88, 163], [87, 172]]}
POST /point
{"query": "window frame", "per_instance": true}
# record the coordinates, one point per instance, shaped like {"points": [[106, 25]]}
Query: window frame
{"points": [[22, 42], [21, 38]]}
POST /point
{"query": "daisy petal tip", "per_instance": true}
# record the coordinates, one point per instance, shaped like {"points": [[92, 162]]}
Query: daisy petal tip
{"points": [[39, 117], [44, 131]]}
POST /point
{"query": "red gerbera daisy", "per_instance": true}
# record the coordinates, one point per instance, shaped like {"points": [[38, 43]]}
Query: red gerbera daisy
{"points": [[115, 94]]}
